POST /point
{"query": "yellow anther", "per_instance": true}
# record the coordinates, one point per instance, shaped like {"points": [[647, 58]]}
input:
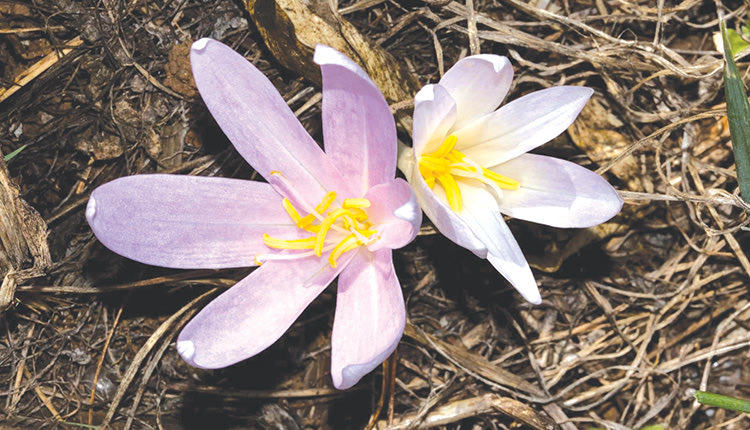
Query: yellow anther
{"points": [[446, 147], [434, 163], [293, 214], [355, 203], [446, 163], [326, 202], [452, 192], [455, 157], [305, 222]]}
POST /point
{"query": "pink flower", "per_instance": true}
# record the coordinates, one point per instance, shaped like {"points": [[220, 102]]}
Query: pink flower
{"points": [[469, 166], [321, 215]]}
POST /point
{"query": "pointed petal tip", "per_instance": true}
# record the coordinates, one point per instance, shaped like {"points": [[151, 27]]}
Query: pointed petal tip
{"points": [[200, 44], [425, 94], [586, 94], [498, 62], [519, 274], [326, 56], [352, 373], [533, 297], [91, 210], [529, 291], [612, 206], [576, 92], [186, 349]]}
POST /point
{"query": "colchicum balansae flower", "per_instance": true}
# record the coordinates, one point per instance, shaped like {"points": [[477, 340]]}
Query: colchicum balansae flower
{"points": [[321, 215], [468, 164]]}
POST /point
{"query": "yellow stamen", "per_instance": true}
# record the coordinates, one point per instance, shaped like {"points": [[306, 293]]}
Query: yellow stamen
{"points": [[446, 163], [325, 226], [349, 243], [510, 184], [350, 219], [272, 242], [305, 222]]}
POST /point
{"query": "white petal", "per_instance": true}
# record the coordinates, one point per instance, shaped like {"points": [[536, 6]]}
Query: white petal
{"points": [[482, 214], [434, 115], [435, 206], [557, 192], [522, 124], [478, 84]]}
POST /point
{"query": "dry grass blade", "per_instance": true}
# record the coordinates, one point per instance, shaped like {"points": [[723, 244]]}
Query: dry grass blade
{"points": [[461, 409], [99, 364], [145, 350], [38, 68], [472, 364]]}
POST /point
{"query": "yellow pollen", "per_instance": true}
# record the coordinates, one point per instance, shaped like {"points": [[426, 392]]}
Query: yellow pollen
{"points": [[350, 219], [446, 163]]}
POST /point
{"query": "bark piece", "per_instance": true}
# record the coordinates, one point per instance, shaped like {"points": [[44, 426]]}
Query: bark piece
{"points": [[24, 251]]}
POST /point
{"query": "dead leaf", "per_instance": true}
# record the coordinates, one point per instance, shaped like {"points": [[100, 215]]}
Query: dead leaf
{"points": [[593, 132], [292, 28]]}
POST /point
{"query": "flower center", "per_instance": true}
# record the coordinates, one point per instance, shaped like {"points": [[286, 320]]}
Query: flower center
{"points": [[350, 221], [446, 163]]}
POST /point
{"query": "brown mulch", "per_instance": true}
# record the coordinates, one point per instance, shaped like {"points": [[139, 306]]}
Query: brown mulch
{"points": [[636, 312]]}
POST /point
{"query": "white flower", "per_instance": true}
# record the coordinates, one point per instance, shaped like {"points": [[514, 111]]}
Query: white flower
{"points": [[469, 164]]}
